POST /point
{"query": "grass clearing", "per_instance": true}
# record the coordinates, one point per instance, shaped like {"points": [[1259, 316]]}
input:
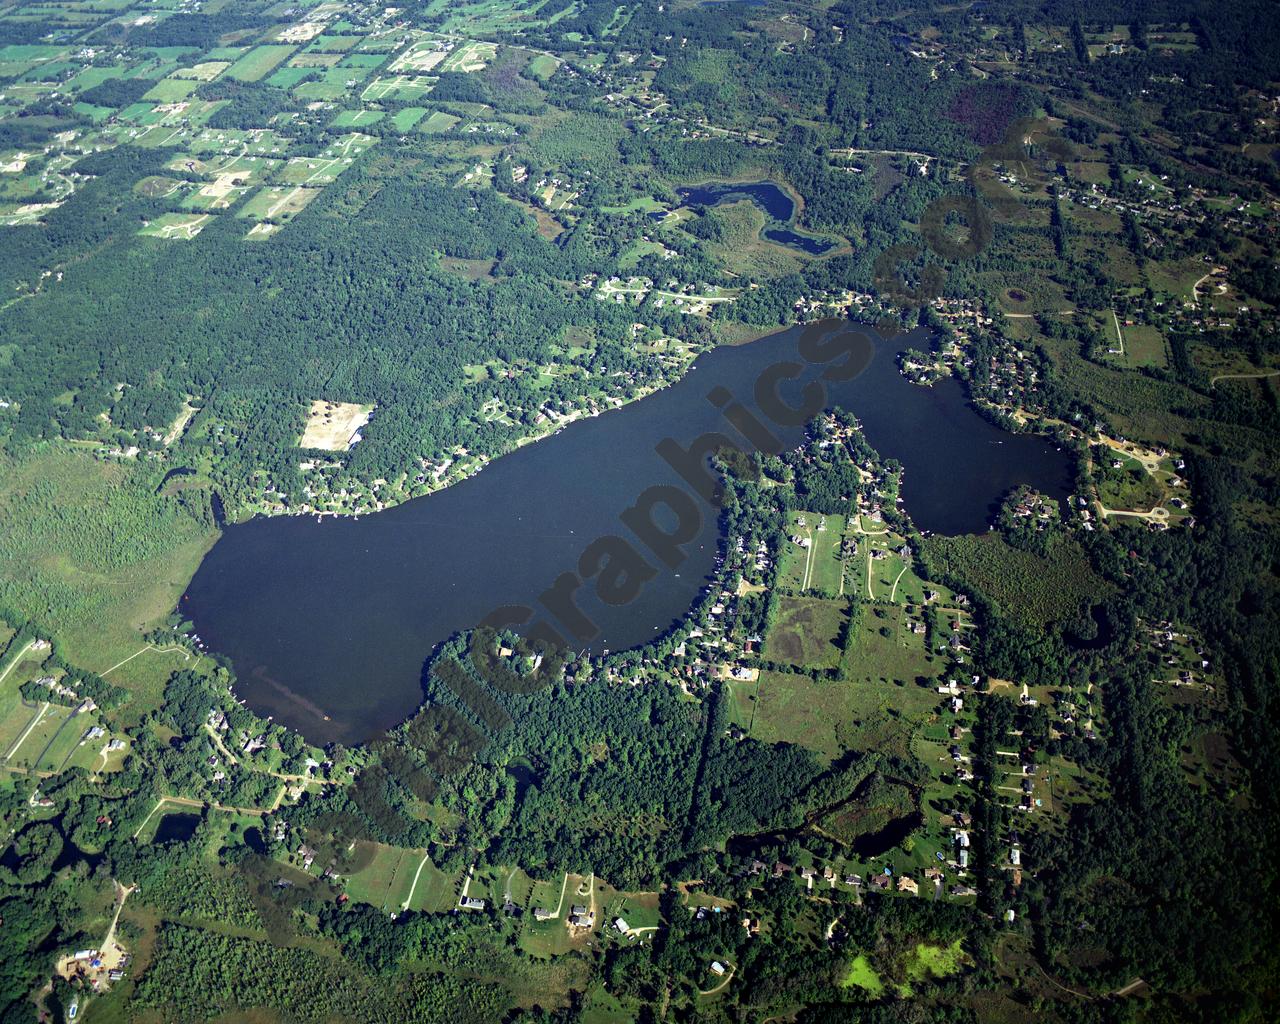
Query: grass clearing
{"points": [[807, 632], [258, 62], [438, 123], [862, 975], [797, 709], [812, 554]]}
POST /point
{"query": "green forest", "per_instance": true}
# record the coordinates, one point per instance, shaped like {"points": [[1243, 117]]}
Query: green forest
{"points": [[265, 259]]}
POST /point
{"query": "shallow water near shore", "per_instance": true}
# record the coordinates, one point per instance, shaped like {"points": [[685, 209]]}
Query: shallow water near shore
{"points": [[328, 623]]}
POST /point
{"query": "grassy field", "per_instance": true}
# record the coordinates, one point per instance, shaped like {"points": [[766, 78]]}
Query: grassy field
{"points": [[862, 975], [406, 88], [818, 566], [171, 90], [387, 880], [44, 726], [1128, 486], [258, 63], [818, 715], [1144, 346], [97, 557], [438, 123], [883, 649], [543, 66], [806, 632], [278, 203], [357, 118], [407, 118]]}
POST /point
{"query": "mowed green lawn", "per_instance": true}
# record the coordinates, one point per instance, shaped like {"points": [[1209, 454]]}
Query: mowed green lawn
{"points": [[387, 880], [67, 742], [806, 632], [48, 725], [817, 566]]}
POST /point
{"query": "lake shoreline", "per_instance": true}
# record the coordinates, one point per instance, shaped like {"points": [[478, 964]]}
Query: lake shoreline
{"points": [[346, 616]]}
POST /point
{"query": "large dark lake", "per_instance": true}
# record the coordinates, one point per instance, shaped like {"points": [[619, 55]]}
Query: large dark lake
{"points": [[328, 623]]}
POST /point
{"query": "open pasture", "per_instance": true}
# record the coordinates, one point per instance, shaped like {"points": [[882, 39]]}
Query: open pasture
{"points": [[278, 203], [398, 87], [258, 63], [806, 632]]}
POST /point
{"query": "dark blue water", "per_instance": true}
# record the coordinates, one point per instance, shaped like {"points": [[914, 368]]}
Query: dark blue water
{"points": [[176, 828], [328, 623], [771, 199], [807, 243]]}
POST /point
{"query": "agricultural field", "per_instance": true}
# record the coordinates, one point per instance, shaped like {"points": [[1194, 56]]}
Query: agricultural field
{"points": [[258, 63]]}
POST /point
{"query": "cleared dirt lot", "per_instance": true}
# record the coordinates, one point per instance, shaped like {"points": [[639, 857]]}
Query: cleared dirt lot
{"points": [[333, 426]]}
